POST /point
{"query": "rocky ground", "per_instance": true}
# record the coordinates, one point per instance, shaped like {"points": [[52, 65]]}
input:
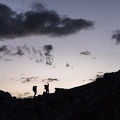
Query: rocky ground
{"points": [[99, 100]]}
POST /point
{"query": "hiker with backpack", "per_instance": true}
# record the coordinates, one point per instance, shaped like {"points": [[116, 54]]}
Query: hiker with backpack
{"points": [[35, 90], [46, 87]]}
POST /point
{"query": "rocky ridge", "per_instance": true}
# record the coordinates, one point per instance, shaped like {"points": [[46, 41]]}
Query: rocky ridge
{"points": [[99, 100]]}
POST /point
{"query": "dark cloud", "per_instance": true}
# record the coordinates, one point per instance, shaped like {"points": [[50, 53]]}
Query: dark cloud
{"points": [[11, 51], [92, 80], [85, 53], [67, 65], [19, 52], [47, 49], [28, 79], [38, 21], [24, 79], [99, 75], [50, 80], [4, 49], [38, 55], [49, 57], [116, 36]]}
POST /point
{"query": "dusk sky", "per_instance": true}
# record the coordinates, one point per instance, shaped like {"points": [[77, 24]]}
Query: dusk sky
{"points": [[65, 43]]}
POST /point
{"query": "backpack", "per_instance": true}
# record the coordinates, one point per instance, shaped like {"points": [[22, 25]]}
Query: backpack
{"points": [[34, 88]]}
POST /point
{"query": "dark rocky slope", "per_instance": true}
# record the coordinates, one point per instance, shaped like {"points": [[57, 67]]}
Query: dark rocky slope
{"points": [[99, 100]]}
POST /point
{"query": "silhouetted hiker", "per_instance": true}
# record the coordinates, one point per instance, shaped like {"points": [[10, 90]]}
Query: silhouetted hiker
{"points": [[46, 87], [35, 90]]}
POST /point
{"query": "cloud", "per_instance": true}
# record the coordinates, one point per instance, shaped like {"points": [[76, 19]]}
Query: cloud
{"points": [[92, 80], [99, 75], [67, 65], [116, 36], [7, 59], [50, 80], [24, 79], [4, 49], [94, 58], [26, 93], [85, 53], [19, 52], [28, 79], [49, 57], [22, 95], [38, 21], [11, 51], [36, 54]]}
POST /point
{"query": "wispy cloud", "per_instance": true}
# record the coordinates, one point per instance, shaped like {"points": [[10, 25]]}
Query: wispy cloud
{"points": [[116, 36], [49, 57], [38, 21], [19, 52], [68, 65], [94, 58], [19, 95], [85, 53], [49, 80], [4, 49], [8, 59], [24, 79], [26, 93], [99, 75], [27, 79], [38, 55]]}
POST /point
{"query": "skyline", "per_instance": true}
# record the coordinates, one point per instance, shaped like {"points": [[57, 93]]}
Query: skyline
{"points": [[64, 43]]}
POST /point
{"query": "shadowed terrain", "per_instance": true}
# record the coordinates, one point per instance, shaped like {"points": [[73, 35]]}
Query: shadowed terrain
{"points": [[99, 100]]}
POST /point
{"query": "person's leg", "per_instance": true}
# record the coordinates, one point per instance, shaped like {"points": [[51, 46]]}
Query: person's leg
{"points": [[35, 92]]}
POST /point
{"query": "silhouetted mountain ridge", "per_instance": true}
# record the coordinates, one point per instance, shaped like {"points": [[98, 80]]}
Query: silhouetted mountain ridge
{"points": [[99, 100]]}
